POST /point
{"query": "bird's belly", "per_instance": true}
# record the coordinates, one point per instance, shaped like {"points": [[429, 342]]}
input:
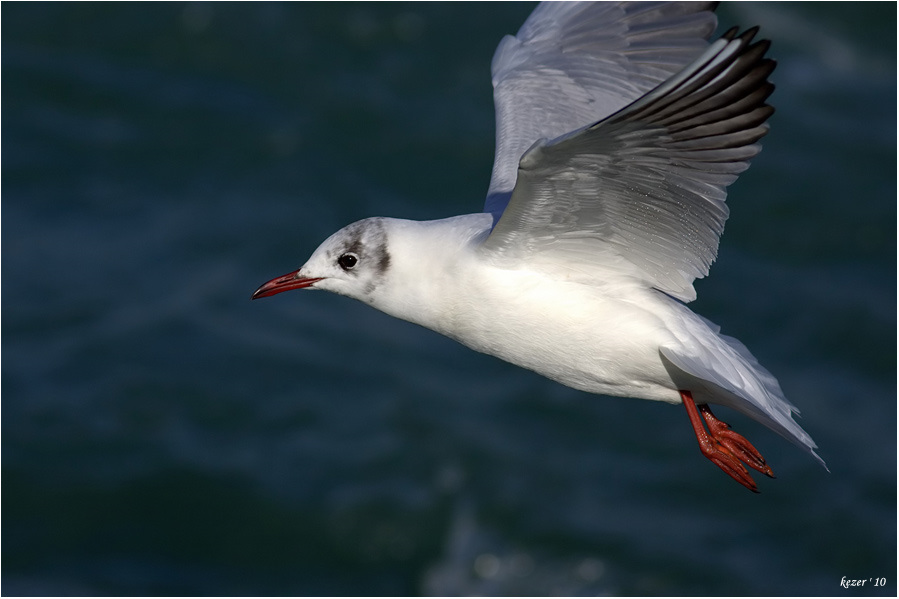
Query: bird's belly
{"points": [[581, 336]]}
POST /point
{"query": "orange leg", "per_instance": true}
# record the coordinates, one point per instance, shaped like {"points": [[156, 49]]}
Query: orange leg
{"points": [[725, 448]]}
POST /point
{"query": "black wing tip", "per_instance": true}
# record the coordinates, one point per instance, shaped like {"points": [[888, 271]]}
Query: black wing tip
{"points": [[750, 33], [746, 38]]}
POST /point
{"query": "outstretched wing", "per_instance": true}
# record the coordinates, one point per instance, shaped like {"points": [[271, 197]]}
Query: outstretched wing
{"points": [[574, 63], [643, 191]]}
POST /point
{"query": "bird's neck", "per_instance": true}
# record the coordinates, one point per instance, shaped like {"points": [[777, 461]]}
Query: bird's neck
{"points": [[428, 264]]}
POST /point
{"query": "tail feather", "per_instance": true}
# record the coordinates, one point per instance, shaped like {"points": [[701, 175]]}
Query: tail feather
{"points": [[737, 381]]}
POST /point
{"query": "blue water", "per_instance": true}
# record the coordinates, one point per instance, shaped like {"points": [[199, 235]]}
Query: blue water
{"points": [[164, 435]]}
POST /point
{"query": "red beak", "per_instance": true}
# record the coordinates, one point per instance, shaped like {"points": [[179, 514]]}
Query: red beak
{"points": [[291, 280]]}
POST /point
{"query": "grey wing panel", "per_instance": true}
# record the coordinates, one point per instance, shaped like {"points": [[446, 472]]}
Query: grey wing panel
{"points": [[647, 184], [574, 63]]}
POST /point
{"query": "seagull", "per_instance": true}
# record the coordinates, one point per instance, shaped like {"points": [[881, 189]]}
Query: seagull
{"points": [[619, 126]]}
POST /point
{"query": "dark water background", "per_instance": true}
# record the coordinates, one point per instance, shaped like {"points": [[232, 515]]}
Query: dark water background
{"points": [[164, 435]]}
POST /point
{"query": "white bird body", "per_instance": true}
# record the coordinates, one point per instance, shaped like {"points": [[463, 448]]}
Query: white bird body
{"points": [[593, 337], [593, 230]]}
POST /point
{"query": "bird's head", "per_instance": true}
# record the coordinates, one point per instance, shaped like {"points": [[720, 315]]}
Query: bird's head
{"points": [[354, 262]]}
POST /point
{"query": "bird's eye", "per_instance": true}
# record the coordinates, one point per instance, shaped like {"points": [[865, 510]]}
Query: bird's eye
{"points": [[347, 261]]}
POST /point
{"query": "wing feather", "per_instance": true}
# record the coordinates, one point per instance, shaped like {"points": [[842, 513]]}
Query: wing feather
{"points": [[575, 63], [644, 190]]}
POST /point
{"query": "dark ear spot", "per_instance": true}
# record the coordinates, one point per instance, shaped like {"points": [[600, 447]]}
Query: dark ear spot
{"points": [[383, 257], [376, 243]]}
